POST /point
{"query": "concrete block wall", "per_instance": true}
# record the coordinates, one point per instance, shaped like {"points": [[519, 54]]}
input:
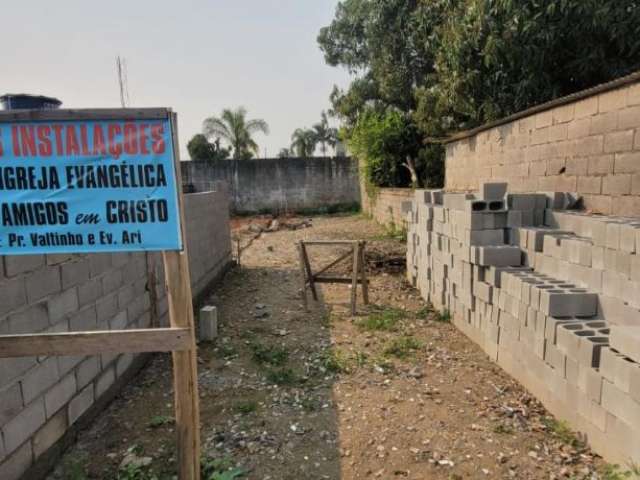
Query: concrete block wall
{"points": [[42, 398], [588, 143], [279, 185], [385, 205], [551, 295]]}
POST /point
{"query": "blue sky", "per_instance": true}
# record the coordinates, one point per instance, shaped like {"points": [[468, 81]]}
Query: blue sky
{"points": [[195, 56]]}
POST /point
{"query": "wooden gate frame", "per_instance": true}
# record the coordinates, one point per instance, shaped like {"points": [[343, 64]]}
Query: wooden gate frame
{"points": [[358, 275], [179, 338]]}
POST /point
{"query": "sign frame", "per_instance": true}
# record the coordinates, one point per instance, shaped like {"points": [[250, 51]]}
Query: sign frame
{"points": [[179, 338]]}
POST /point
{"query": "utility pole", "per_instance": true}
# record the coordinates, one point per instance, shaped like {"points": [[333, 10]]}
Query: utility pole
{"points": [[123, 83]]}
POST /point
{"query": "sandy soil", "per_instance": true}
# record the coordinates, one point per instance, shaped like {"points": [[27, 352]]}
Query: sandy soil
{"points": [[394, 392]]}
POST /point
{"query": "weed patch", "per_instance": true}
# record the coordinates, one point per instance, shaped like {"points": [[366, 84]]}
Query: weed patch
{"points": [[403, 347], [283, 376], [561, 430], [271, 355], [443, 316], [220, 469], [334, 361], [615, 472], [385, 320], [160, 421], [245, 407]]}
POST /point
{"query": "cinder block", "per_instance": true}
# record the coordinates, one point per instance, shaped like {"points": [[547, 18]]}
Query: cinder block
{"points": [[497, 256], [568, 302], [628, 234], [59, 395], [99, 263], [39, 379], [590, 349], [18, 264], [50, 433], [90, 291], [494, 191], [620, 404], [74, 273], [12, 294], [87, 371], [32, 320], [107, 307], [10, 402], [24, 425], [105, 381], [626, 340], [14, 466], [46, 282], [590, 381], [62, 305], [80, 404]]}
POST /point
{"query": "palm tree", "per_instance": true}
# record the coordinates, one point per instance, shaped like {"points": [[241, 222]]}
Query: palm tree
{"points": [[303, 142], [325, 135], [284, 153], [234, 128]]}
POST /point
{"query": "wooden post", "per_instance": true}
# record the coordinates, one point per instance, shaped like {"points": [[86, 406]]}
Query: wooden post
{"points": [[354, 276], [363, 275], [307, 267], [185, 366], [303, 272]]}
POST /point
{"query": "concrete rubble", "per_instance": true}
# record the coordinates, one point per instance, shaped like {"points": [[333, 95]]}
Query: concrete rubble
{"points": [[551, 294]]}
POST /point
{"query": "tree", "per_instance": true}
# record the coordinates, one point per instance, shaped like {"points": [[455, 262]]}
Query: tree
{"points": [[233, 127], [303, 142], [325, 135], [201, 149], [284, 153]]}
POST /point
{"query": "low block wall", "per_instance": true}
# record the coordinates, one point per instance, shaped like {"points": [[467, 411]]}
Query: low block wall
{"points": [[588, 143], [279, 185], [551, 295], [385, 206], [43, 398]]}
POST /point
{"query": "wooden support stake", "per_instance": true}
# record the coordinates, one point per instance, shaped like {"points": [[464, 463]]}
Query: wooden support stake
{"points": [[307, 267], [354, 280], [363, 275], [303, 272]]}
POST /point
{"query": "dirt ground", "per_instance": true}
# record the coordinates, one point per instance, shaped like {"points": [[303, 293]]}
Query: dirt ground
{"points": [[394, 392]]}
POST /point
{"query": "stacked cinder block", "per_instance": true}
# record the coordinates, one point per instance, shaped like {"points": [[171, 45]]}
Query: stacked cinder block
{"points": [[528, 280]]}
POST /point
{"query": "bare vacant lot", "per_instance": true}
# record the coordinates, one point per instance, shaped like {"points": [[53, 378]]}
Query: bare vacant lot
{"points": [[394, 392]]}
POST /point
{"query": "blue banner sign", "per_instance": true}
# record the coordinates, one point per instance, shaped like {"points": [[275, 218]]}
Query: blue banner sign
{"points": [[87, 186]]}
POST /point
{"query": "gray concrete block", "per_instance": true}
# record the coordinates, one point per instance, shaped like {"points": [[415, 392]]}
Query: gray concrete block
{"points": [[99, 263], [39, 379], [628, 234], [59, 395], [80, 404], [497, 256], [12, 294], [493, 191], [208, 324], [24, 425], [107, 307], [590, 349], [626, 340], [456, 201], [10, 402], [18, 264], [568, 302], [14, 466], [32, 320], [46, 282], [112, 281], [62, 305], [87, 371], [50, 433], [104, 381], [123, 363], [74, 273], [620, 404]]}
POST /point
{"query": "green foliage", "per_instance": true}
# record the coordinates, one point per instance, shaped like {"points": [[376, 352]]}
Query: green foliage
{"points": [[425, 311], [443, 316], [201, 149], [160, 421], [615, 472], [562, 430], [390, 145], [283, 376], [269, 354], [220, 469], [303, 142], [334, 361], [447, 65], [402, 347], [324, 134], [233, 127], [503, 429], [383, 320], [246, 407], [135, 472]]}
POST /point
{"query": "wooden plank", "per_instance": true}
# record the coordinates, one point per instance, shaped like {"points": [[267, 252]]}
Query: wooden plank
{"points": [[354, 282], [329, 242], [92, 343], [85, 114], [332, 264], [307, 266], [303, 272], [185, 367], [363, 275], [335, 280]]}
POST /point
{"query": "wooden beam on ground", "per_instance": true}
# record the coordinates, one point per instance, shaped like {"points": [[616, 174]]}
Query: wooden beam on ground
{"points": [[92, 343]]}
